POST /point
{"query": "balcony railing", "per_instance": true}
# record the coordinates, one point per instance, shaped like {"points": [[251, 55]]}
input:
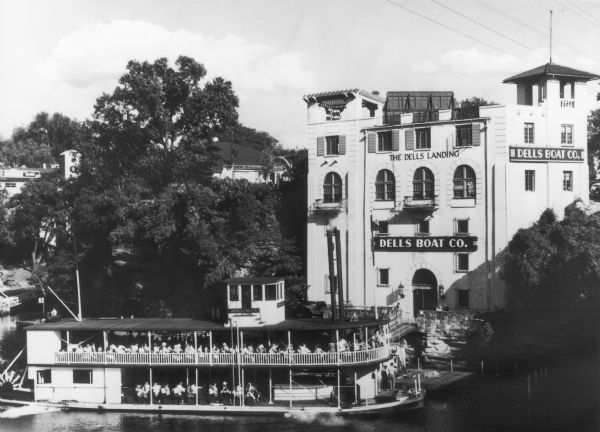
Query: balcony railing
{"points": [[205, 359], [321, 205], [423, 116], [411, 202]]}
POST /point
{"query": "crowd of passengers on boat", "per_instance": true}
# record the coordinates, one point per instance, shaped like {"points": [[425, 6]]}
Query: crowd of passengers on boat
{"points": [[185, 346]]}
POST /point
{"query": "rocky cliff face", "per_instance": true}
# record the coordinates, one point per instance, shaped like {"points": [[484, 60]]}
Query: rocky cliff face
{"points": [[450, 334]]}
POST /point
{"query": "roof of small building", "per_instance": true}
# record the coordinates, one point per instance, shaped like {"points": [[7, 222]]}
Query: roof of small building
{"points": [[335, 93], [253, 280], [188, 324], [552, 70], [238, 154]]}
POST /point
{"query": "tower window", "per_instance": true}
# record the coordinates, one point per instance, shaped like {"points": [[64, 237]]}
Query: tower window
{"points": [[332, 145], [384, 276], [384, 141], [462, 227], [461, 262], [566, 134], [423, 228], [423, 139], [529, 133], [332, 188], [383, 228], [385, 186], [423, 184], [464, 136], [464, 182], [568, 181], [529, 180]]}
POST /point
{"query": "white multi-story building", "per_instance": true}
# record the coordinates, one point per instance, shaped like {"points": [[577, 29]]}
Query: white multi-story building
{"points": [[426, 196]]}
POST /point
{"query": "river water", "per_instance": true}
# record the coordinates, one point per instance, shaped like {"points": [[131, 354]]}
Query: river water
{"points": [[565, 401]]}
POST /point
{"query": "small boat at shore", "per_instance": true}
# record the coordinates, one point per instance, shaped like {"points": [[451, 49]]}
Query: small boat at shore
{"points": [[252, 361]]}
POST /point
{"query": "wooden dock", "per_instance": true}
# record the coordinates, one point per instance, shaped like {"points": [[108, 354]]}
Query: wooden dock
{"points": [[433, 380]]}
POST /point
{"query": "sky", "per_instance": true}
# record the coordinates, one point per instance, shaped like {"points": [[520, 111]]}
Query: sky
{"points": [[60, 55]]}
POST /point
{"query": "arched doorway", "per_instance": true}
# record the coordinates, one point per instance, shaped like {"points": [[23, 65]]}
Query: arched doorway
{"points": [[425, 287]]}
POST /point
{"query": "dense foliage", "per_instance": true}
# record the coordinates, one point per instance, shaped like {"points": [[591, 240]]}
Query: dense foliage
{"points": [[153, 230], [555, 264]]}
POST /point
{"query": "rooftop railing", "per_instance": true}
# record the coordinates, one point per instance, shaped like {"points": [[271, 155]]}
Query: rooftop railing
{"points": [[206, 359]]}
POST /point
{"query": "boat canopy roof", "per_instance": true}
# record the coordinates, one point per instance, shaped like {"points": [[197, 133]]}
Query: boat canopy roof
{"points": [[191, 324]]}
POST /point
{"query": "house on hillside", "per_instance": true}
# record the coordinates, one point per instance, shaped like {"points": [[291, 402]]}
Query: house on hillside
{"points": [[237, 161]]}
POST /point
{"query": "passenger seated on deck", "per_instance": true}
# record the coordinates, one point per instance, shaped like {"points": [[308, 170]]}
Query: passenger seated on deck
{"points": [[192, 391], [343, 345], [274, 349], [238, 394], [303, 349], [178, 393], [261, 348], [213, 394], [318, 350], [226, 394], [165, 393], [251, 394], [156, 391], [139, 393]]}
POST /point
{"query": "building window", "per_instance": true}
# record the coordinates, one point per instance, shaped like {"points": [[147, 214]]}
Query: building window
{"points": [[10, 185], [461, 262], [529, 130], [233, 293], [44, 376], [82, 376], [566, 134], [257, 293], [385, 186], [568, 181], [384, 141], [332, 188], [384, 276], [423, 139], [462, 300], [464, 182], [464, 136], [332, 145], [423, 228], [462, 227], [271, 292], [383, 228], [423, 184], [529, 180]]}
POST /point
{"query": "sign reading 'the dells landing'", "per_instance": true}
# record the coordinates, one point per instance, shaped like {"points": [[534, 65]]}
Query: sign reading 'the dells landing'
{"points": [[545, 154], [425, 244]]}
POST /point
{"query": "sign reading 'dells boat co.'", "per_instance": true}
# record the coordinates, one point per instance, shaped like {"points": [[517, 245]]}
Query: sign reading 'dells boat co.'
{"points": [[425, 244], [545, 154]]}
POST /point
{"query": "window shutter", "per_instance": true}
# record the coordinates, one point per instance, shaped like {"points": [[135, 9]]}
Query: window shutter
{"points": [[371, 142], [409, 135], [455, 262], [395, 140], [320, 146], [342, 145], [475, 134]]}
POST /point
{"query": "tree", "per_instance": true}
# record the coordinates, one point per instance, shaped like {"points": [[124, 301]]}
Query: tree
{"points": [[41, 142], [593, 143], [554, 264], [39, 217], [475, 102]]}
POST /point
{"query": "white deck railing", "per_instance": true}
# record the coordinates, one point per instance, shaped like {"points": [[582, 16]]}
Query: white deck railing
{"points": [[194, 359]]}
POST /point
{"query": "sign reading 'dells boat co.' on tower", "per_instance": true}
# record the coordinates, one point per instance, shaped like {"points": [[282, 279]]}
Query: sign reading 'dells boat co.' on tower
{"points": [[545, 154], [425, 244]]}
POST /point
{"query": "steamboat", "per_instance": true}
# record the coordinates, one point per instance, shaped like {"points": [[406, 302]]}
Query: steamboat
{"points": [[247, 360]]}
